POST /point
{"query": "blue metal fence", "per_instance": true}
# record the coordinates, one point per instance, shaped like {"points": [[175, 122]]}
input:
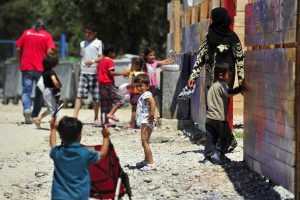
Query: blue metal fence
{"points": [[8, 48]]}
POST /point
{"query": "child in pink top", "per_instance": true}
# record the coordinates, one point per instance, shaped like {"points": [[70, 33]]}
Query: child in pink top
{"points": [[150, 66]]}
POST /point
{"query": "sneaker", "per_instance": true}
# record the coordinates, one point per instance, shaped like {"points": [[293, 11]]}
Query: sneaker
{"points": [[141, 164], [28, 119], [148, 167], [216, 158], [113, 117], [37, 122]]}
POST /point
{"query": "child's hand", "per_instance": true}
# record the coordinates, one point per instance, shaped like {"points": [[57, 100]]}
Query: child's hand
{"points": [[89, 62], [105, 132], [53, 123]]}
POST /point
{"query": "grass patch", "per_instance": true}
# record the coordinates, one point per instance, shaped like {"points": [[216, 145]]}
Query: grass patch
{"points": [[238, 134]]}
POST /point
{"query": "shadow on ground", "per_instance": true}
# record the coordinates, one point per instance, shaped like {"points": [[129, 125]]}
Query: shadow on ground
{"points": [[249, 184]]}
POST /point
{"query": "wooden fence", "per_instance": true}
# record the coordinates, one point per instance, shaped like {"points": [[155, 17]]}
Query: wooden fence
{"points": [[270, 32], [271, 145]]}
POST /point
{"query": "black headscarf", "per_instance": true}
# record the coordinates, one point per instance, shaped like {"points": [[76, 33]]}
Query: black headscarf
{"points": [[219, 29]]}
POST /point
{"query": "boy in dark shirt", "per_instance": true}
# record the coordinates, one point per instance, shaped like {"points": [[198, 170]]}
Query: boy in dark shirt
{"points": [[52, 87]]}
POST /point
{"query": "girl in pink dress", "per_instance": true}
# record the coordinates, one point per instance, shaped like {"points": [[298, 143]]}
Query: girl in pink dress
{"points": [[150, 65]]}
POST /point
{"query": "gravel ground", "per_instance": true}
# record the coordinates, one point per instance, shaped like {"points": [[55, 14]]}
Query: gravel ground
{"points": [[26, 169]]}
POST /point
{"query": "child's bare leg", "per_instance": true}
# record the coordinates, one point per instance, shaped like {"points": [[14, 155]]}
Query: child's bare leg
{"points": [[133, 112], [96, 111], [145, 137], [77, 107], [114, 109], [43, 115]]}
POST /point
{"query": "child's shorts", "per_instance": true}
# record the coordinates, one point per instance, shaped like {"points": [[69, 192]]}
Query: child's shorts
{"points": [[88, 83], [151, 125], [109, 95]]}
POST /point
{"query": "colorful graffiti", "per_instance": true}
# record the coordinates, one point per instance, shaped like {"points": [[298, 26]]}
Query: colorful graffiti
{"points": [[270, 22]]}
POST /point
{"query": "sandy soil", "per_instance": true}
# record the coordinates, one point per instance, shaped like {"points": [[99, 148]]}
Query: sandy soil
{"points": [[26, 169]]}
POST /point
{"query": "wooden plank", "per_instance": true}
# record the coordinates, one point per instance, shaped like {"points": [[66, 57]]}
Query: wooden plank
{"points": [[169, 11], [261, 135], [195, 14], [177, 15], [215, 4], [222, 3], [289, 36], [177, 41], [198, 105], [283, 117], [297, 110], [239, 19], [270, 126], [197, 2], [240, 5], [278, 104], [204, 6], [188, 16], [256, 148], [170, 41], [191, 38], [204, 24], [282, 174], [172, 23]]}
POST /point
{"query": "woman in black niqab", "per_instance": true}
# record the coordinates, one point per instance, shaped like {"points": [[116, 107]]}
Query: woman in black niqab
{"points": [[220, 45]]}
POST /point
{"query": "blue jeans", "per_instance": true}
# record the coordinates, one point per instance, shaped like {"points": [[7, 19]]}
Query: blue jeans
{"points": [[30, 78]]}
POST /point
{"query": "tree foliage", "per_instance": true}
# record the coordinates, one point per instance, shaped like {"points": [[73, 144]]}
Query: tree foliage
{"points": [[127, 25]]}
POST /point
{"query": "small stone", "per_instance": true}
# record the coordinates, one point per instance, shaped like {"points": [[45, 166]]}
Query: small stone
{"points": [[28, 153], [148, 180], [186, 187], [174, 173], [151, 187], [40, 174], [7, 195], [39, 185], [13, 165], [16, 185]]}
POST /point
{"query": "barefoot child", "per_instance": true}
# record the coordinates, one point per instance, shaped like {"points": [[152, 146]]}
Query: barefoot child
{"points": [[71, 179], [145, 119]]}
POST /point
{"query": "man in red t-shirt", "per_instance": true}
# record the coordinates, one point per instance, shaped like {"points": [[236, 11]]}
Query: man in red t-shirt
{"points": [[109, 94], [32, 47]]}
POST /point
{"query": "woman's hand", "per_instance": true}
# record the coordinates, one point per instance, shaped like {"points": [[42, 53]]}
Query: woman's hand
{"points": [[191, 83]]}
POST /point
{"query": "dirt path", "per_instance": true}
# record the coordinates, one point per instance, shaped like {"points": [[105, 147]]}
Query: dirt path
{"points": [[26, 169]]}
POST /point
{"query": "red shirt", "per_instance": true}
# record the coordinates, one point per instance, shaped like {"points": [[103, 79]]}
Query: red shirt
{"points": [[104, 78], [34, 45]]}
